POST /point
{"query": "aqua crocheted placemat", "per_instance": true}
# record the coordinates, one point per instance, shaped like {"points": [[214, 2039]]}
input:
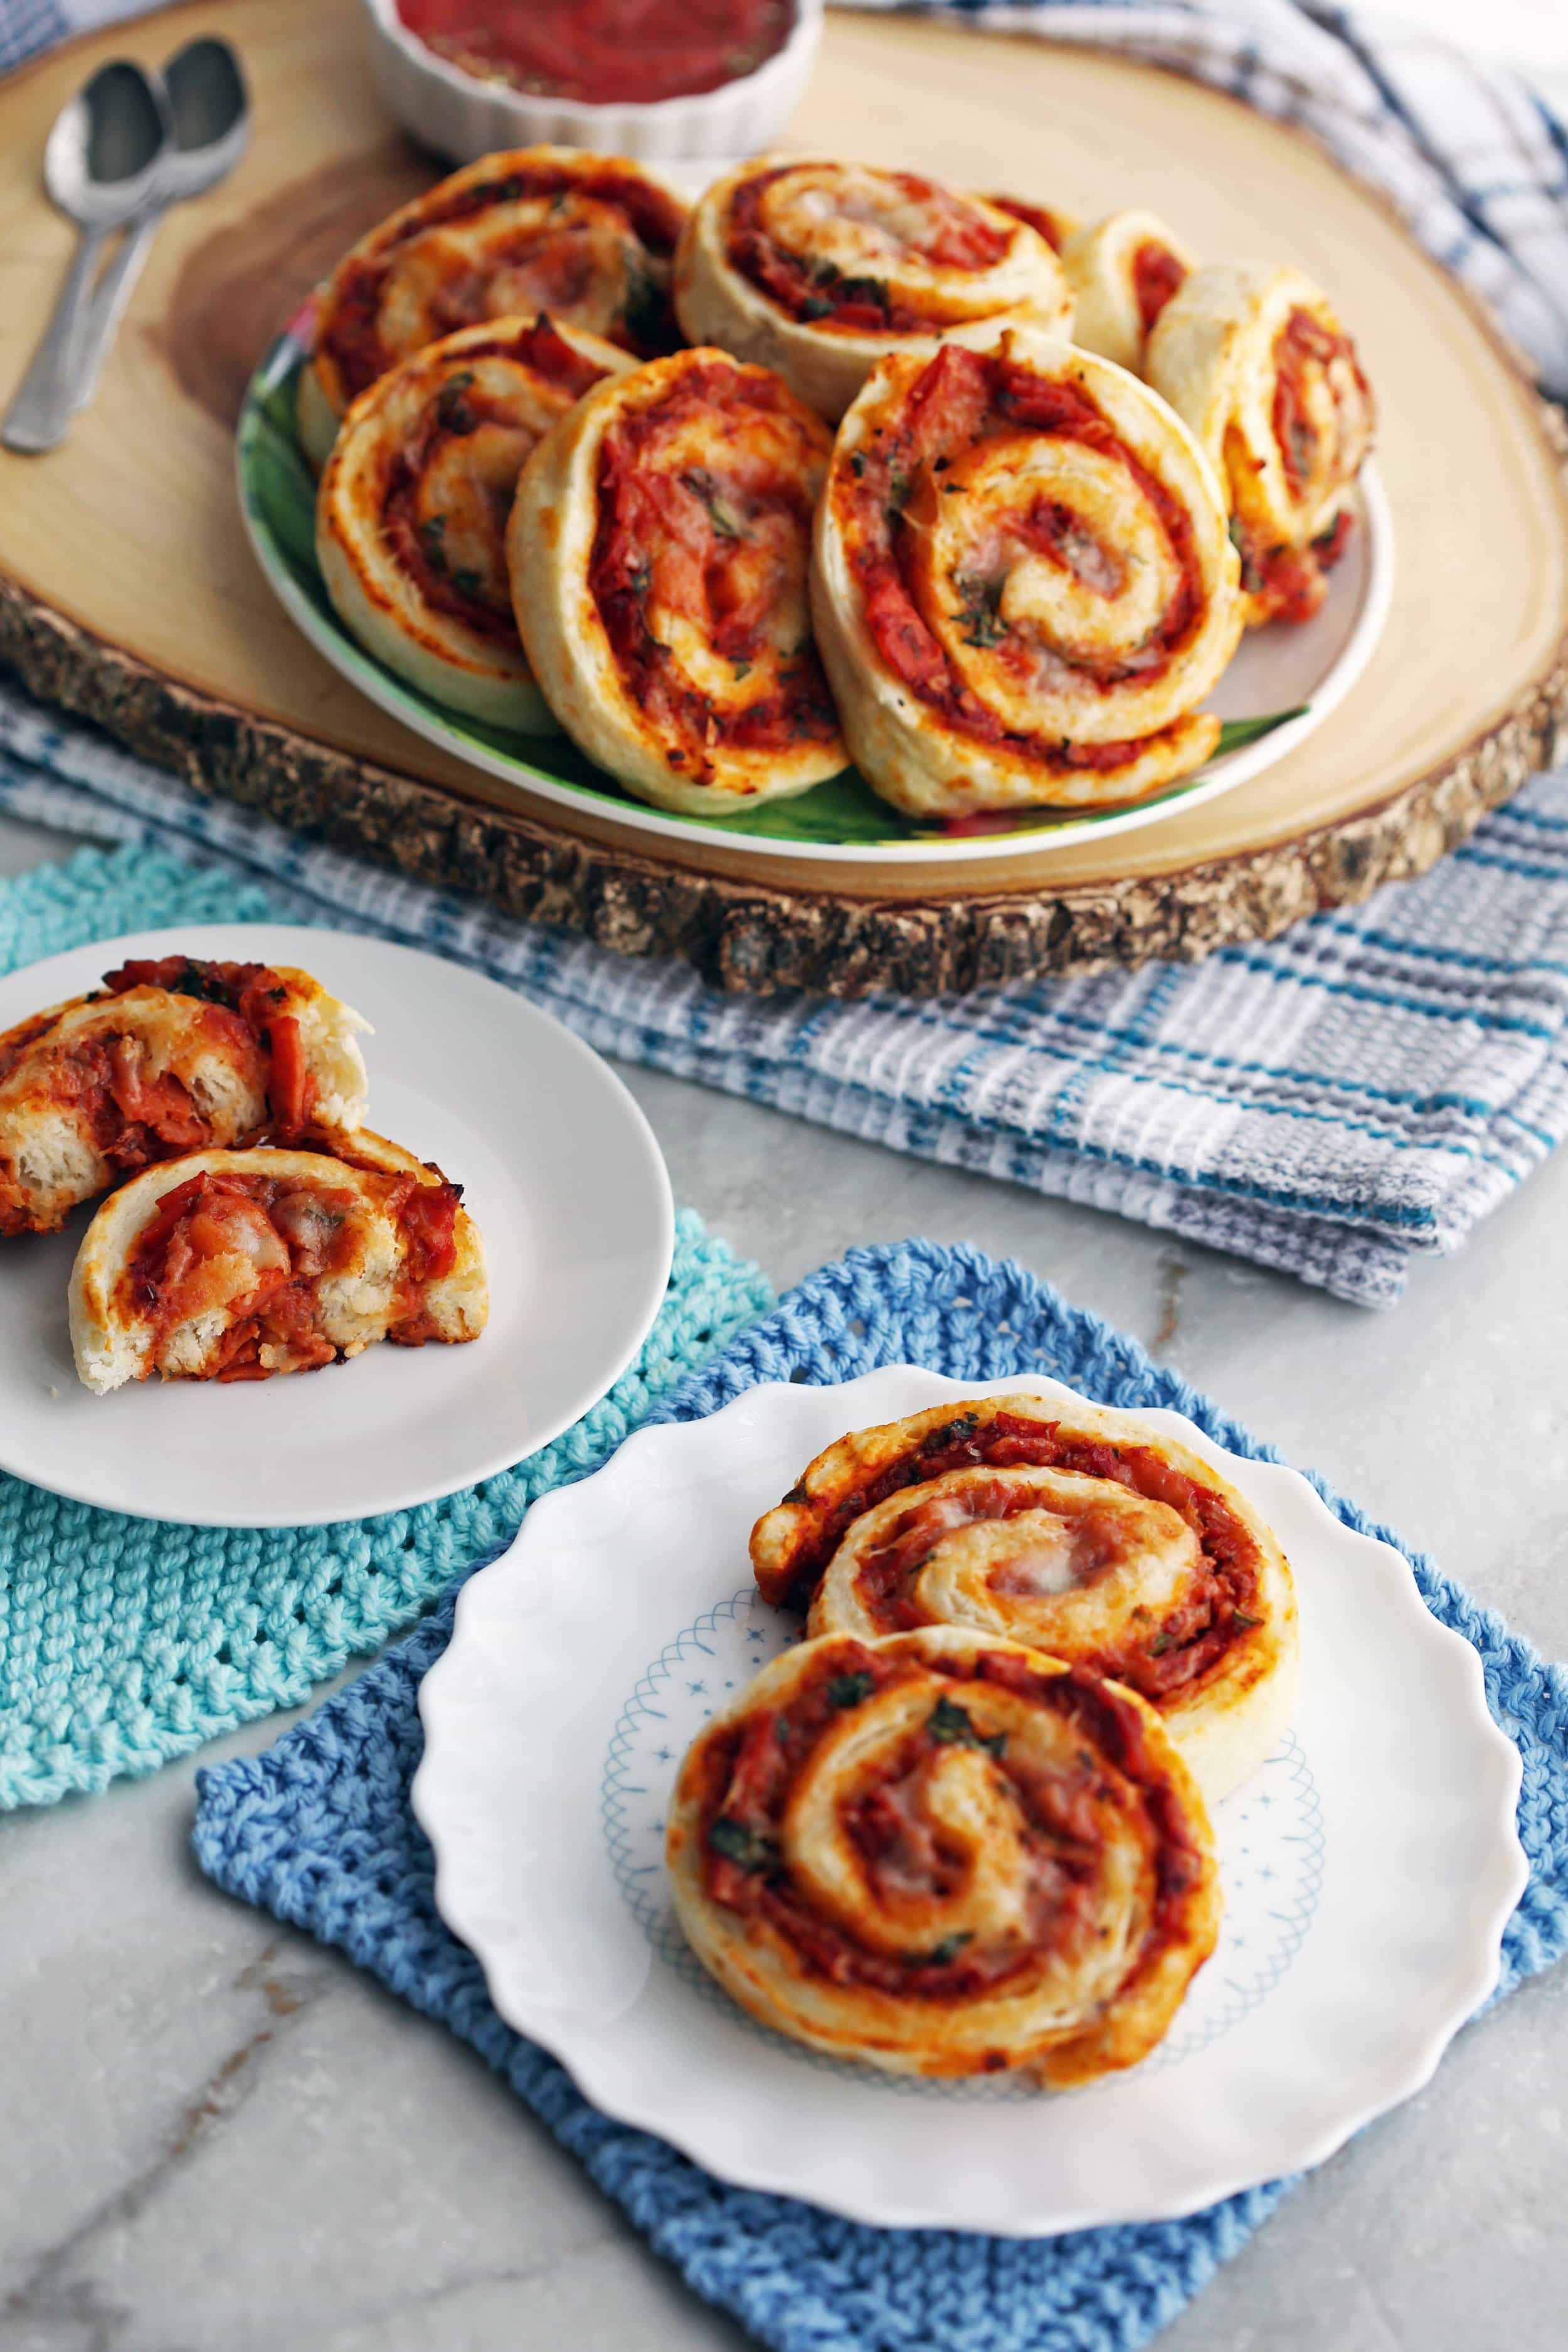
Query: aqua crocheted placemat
{"points": [[124, 1643], [319, 1830]]}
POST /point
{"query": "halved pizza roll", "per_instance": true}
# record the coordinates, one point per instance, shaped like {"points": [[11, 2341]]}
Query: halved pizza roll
{"points": [[658, 550], [1082, 1532], [820, 269], [588, 238], [166, 1056], [1122, 272], [945, 1854], [1049, 221], [1022, 583], [1255, 360], [234, 1266], [412, 513]]}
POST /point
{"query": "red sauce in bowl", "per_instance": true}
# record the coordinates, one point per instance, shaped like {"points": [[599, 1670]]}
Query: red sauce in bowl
{"points": [[602, 51]]}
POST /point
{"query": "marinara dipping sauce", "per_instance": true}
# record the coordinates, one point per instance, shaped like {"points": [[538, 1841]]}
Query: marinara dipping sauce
{"points": [[602, 51]]}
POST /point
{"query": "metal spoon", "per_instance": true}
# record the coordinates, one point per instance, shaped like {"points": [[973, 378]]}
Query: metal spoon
{"points": [[100, 167], [211, 112]]}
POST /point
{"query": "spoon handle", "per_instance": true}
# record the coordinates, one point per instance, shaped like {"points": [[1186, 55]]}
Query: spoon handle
{"points": [[41, 410], [106, 307]]}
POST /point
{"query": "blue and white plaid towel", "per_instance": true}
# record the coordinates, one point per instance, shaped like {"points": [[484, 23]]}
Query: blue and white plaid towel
{"points": [[1364, 1088]]}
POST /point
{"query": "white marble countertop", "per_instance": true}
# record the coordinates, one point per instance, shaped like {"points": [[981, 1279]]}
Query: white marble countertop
{"points": [[220, 2139]]}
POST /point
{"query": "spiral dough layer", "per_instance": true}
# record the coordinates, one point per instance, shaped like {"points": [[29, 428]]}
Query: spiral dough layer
{"points": [[1122, 272], [1084, 1533], [1255, 361], [943, 1854], [658, 550], [820, 269], [587, 238], [1022, 584], [412, 513]]}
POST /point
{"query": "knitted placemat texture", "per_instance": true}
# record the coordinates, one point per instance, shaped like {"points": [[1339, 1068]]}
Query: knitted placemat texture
{"points": [[319, 1830], [123, 1642]]}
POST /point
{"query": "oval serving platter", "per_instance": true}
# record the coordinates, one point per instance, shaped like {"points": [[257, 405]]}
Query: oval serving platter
{"points": [[1369, 1865], [1282, 686]]}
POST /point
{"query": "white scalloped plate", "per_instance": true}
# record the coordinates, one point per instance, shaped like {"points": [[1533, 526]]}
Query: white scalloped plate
{"points": [[1370, 1865]]}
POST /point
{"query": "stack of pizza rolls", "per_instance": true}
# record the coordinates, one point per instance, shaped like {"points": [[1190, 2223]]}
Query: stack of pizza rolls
{"points": [[252, 1224], [839, 465], [964, 1825]]}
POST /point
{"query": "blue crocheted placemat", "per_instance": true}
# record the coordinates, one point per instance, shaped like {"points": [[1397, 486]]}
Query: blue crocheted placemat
{"points": [[320, 1831], [126, 1641]]}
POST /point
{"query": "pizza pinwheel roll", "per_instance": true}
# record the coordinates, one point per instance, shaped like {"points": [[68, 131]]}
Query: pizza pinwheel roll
{"points": [[412, 511], [820, 269], [1082, 1532], [166, 1056], [1047, 220], [943, 1854], [234, 1265], [1256, 361], [658, 550], [1022, 583], [1122, 272], [587, 238]]}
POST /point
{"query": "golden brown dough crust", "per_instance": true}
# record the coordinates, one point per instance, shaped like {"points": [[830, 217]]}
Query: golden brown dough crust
{"points": [[1081, 1531], [943, 1854], [820, 269], [1022, 583]]}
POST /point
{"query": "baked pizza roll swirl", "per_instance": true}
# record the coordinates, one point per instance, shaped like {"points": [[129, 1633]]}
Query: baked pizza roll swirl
{"points": [[589, 240], [234, 1265], [1082, 1532], [1022, 583], [658, 550], [1257, 362], [820, 269], [1122, 272], [165, 1057], [412, 511], [945, 1854]]}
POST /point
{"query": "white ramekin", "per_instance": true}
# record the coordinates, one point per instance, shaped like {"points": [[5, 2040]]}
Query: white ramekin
{"points": [[463, 117]]}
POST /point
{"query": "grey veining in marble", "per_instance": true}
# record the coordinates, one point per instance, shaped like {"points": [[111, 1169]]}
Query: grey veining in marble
{"points": [[215, 2137]]}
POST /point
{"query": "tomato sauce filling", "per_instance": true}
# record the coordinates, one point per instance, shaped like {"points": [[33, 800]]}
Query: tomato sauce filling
{"points": [[1291, 582], [684, 534], [1156, 276], [136, 1116], [293, 1233], [963, 397], [749, 1770], [352, 335], [818, 293], [602, 51], [460, 408], [1044, 222], [1224, 1602], [1187, 1639]]}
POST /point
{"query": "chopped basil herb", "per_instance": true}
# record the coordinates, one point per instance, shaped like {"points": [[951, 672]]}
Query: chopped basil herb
{"points": [[747, 1848], [706, 491], [1242, 1623], [1161, 1643], [467, 582], [864, 289], [981, 616], [742, 669], [857, 462], [452, 411], [949, 1727], [815, 305], [1251, 577], [948, 1949], [849, 1690]]}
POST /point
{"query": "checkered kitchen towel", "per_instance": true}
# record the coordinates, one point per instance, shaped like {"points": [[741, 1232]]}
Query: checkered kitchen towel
{"points": [[1364, 1088]]}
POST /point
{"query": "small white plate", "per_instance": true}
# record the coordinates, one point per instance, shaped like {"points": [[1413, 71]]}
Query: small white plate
{"points": [[1370, 1866], [559, 1170]]}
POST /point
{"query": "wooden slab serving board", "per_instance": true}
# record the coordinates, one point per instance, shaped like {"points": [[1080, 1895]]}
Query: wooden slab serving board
{"points": [[127, 590]]}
